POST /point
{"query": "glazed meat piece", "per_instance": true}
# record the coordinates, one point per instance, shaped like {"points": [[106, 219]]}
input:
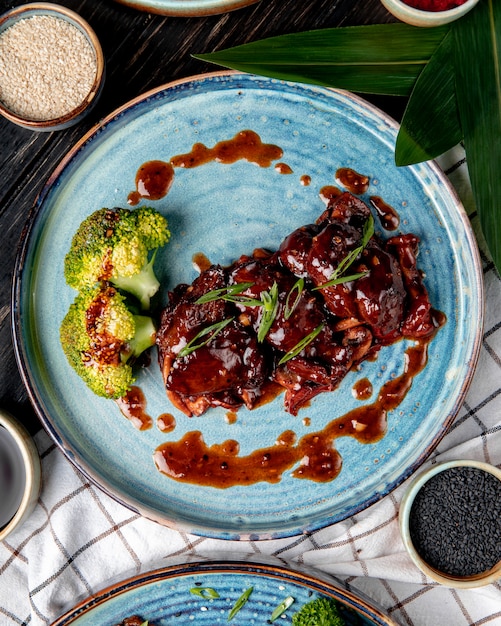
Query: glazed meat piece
{"points": [[278, 323], [419, 321], [328, 248], [322, 365], [182, 319], [346, 208], [317, 250], [227, 371], [287, 329], [295, 249], [299, 313], [381, 296]]}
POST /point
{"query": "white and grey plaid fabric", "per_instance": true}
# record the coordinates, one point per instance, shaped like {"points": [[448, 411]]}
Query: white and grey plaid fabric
{"points": [[78, 538]]}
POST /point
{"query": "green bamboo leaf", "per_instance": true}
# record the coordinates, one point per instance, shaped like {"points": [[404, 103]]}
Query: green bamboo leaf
{"points": [[430, 124], [379, 59], [477, 55]]}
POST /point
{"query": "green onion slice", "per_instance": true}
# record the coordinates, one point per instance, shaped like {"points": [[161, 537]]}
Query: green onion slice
{"points": [[301, 345], [342, 279], [336, 278], [270, 307], [281, 608], [240, 603], [223, 293], [242, 299], [211, 330], [204, 592], [296, 289]]}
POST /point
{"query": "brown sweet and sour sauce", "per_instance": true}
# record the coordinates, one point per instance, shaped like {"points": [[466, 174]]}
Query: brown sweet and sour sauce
{"points": [[190, 459]]}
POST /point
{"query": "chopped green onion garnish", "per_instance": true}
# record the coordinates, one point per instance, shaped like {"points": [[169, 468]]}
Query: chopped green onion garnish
{"points": [[336, 277], [211, 330], [297, 289], [204, 592], [223, 293], [270, 306], [242, 299], [281, 608], [301, 345], [240, 603], [342, 279]]}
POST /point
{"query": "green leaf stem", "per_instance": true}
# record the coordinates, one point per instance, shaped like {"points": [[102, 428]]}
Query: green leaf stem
{"points": [[477, 59], [379, 58]]}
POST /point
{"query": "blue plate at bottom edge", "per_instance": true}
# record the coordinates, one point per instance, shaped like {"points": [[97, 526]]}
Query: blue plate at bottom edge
{"points": [[164, 595]]}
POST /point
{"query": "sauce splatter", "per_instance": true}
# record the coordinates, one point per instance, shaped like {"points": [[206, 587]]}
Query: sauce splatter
{"points": [[328, 193], [200, 262], [153, 181], [283, 168], [166, 422], [353, 181], [246, 145], [133, 407], [191, 460], [155, 178], [362, 389], [389, 218]]}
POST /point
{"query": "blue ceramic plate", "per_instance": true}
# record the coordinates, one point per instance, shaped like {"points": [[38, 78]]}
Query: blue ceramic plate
{"points": [[224, 211], [187, 8], [164, 596]]}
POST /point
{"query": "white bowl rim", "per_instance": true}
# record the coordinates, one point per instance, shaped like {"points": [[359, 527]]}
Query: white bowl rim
{"points": [[32, 466], [420, 13], [86, 28]]}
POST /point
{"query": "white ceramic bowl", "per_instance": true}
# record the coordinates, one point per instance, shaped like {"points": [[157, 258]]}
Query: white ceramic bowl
{"points": [[20, 474], [83, 103], [417, 17], [464, 582]]}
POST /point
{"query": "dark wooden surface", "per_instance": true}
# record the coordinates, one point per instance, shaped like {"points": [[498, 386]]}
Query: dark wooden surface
{"points": [[142, 51]]}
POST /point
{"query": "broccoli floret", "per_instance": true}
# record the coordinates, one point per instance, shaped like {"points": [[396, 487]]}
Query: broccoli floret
{"points": [[319, 612], [101, 338], [113, 245]]}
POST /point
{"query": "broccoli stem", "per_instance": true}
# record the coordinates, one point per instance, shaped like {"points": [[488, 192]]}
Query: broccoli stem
{"points": [[144, 336], [143, 285]]}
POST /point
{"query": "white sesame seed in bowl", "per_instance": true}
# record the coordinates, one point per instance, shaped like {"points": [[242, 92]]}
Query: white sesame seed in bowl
{"points": [[51, 66]]}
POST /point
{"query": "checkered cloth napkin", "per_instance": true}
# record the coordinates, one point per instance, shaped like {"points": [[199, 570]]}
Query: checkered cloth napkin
{"points": [[78, 538]]}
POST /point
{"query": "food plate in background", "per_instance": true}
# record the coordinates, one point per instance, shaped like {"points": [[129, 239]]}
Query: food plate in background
{"points": [[223, 211], [187, 8], [163, 596]]}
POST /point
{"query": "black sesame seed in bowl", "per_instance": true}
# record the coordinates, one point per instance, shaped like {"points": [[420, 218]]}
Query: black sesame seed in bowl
{"points": [[450, 521]]}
